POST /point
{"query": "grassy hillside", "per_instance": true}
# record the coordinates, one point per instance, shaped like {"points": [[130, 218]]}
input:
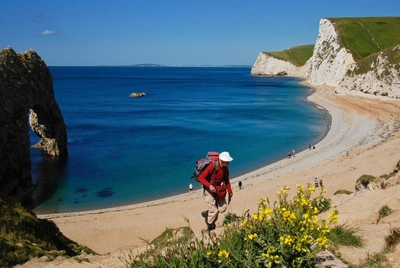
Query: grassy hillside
{"points": [[365, 65], [363, 37], [366, 36], [295, 55], [24, 236]]}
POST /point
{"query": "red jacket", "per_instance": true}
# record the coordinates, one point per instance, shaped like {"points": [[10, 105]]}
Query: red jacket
{"points": [[222, 175]]}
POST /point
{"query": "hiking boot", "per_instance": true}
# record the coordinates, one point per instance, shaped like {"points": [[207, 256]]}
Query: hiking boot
{"points": [[204, 214], [211, 226]]}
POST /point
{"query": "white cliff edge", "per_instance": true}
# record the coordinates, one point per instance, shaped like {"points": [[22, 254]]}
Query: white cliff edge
{"points": [[332, 64], [268, 65]]}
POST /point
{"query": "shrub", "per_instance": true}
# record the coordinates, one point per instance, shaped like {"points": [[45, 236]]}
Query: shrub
{"points": [[287, 234], [230, 218], [374, 260], [344, 235], [23, 236], [323, 204], [393, 239], [343, 192], [384, 212], [367, 178]]}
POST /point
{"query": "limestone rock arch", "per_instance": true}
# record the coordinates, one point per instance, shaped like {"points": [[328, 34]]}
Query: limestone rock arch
{"points": [[26, 99]]}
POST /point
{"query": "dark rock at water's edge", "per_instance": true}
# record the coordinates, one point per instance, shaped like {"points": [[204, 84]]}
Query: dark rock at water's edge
{"points": [[26, 99], [281, 73]]}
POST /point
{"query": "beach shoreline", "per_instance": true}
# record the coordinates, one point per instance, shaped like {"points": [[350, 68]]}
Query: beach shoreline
{"points": [[361, 140], [183, 195]]}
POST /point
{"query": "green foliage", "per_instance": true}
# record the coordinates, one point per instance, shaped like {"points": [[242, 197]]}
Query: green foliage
{"points": [[23, 236], [230, 218], [344, 235], [323, 204], [364, 65], [384, 212], [393, 239], [366, 36], [287, 234], [374, 261], [298, 55], [343, 192], [366, 179]]}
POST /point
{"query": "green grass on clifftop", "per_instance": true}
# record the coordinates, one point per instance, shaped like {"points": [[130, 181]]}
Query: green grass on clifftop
{"points": [[366, 36], [298, 55], [366, 64]]}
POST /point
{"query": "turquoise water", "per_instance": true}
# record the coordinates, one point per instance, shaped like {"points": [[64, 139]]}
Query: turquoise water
{"points": [[128, 150]]}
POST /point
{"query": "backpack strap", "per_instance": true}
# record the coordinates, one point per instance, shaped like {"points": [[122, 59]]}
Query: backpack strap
{"points": [[216, 166], [215, 163]]}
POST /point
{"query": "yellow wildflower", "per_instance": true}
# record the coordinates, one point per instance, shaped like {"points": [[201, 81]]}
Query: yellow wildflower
{"points": [[223, 253], [333, 216], [252, 236], [300, 187]]}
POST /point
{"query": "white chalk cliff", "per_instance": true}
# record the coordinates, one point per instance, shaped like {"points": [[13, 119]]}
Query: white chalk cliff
{"points": [[268, 65], [383, 79], [332, 64]]}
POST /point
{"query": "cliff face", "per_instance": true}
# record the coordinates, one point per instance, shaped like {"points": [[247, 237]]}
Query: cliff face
{"points": [[268, 65], [382, 79], [330, 60], [332, 64], [26, 91]]}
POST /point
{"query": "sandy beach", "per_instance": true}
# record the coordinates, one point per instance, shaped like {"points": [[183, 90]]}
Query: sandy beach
{"points": [[364, 138]]}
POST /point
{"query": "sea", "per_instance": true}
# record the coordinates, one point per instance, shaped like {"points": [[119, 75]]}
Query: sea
{"points": [[125, 150]]}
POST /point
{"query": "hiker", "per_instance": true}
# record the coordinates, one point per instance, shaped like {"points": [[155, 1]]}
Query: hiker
{"points": [[214, 189], [316, 182]]}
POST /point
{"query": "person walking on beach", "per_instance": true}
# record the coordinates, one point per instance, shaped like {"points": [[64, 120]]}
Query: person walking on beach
{"points": [[190, 187], [316, 182], [215, 180], [321, 183]]}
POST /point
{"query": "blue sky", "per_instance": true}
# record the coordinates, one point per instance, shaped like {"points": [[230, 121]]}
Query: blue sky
{"points": [[170, 32]]}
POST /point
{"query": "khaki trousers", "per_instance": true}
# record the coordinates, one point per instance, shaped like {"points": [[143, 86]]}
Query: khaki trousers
{"points": [[214, 206]]}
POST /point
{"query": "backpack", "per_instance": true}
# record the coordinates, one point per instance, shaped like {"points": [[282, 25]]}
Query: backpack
{"points": [[203, 163]]}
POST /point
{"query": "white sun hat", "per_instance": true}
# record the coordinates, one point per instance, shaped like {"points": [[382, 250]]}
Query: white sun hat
{"points": [[224, 156]]}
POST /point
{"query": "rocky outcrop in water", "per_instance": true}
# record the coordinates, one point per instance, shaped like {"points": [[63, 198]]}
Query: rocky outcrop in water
{"points": [[137, 94], [26, 99]]}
